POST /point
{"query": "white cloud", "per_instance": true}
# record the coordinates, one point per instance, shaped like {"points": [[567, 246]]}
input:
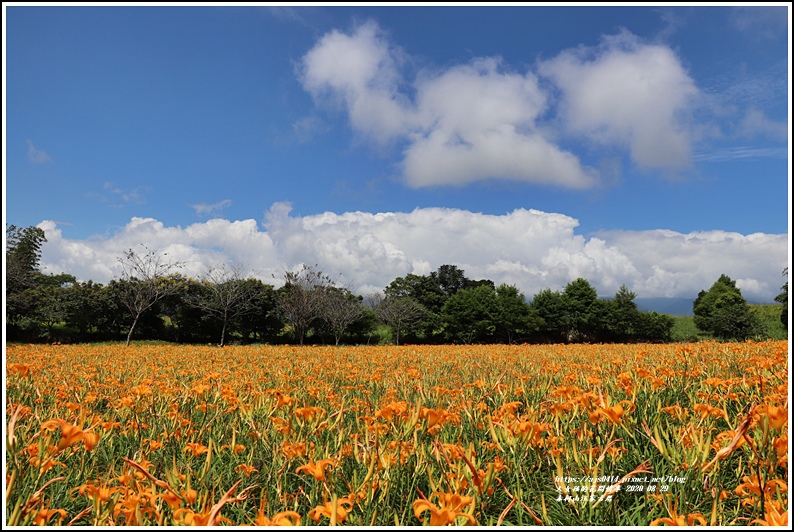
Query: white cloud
{"points": [[767, 22], [687, 263], [135, 195], [630, 94], [755, 122], [366, 251], [37, 156], [214, 209], [480, 120], [742, 152], [361, 72], [465, 123]]}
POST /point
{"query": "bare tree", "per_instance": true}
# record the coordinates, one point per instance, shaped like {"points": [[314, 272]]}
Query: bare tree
{"points": [[300, 298], [339, 309], [224, 294], [146, 279], [399, 313]]}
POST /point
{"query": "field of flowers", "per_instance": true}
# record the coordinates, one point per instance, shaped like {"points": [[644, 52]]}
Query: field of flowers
{"points": [[410, 435]]}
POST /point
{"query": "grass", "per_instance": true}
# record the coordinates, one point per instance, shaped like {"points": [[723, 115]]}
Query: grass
{"points": [[684, 329]]}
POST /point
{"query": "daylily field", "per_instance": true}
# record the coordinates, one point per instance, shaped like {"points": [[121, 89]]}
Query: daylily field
{"points": [[669, 434]]}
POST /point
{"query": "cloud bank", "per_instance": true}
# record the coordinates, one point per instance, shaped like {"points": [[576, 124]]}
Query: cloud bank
{"points": [[477, 121], [366, 251]]}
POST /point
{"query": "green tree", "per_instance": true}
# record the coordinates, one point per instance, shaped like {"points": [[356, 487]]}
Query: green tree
{"points": [[22, 276], [549, 307], [471, 314], [431, 292], [23, 254], [514, 317], [263, 323], [51, 303], [88, 308], [300, 299], [653, 327], [581, 310], [723, 312], [621, 316], [782, 298]]}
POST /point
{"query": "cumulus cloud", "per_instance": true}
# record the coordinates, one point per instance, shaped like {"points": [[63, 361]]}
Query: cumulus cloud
{"points": [[480, 120], [37, 156], [366, 251], [359, 71], [675, 263], [464, 123], [630, 94], [197, 246]]}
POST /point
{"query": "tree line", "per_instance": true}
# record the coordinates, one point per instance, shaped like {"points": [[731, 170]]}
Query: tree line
{"points": [[151, 300]]}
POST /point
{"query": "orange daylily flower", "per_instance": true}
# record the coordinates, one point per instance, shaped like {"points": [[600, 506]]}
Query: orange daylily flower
{"points": [[773, 517], [680, 520], [101, 493], [71, 434], [704, 410], [173, 500], [612, 413], [189, 496], [191, 518], [451, 507], [288, 518], [46, 465], [196, 449], [153, 444], [751, 485], [283, 400], [246, 469], [238, 448], [291, 450], [778, 415], [43, 516], [343, 507], [318, 469], [21, 369], [388, 412], [308, 413]]}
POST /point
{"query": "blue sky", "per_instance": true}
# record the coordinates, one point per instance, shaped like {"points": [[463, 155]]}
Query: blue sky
{"points": [[530, 145]]}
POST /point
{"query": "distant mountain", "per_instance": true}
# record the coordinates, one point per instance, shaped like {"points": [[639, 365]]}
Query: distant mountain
{"points": [[676, 306]]}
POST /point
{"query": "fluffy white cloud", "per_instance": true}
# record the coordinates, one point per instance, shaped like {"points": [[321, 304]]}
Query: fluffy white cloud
{"points": [[465, 123], [478, 121], [366, 251], [361, 72], [196, 246], [628, 93], [672, 264]]}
